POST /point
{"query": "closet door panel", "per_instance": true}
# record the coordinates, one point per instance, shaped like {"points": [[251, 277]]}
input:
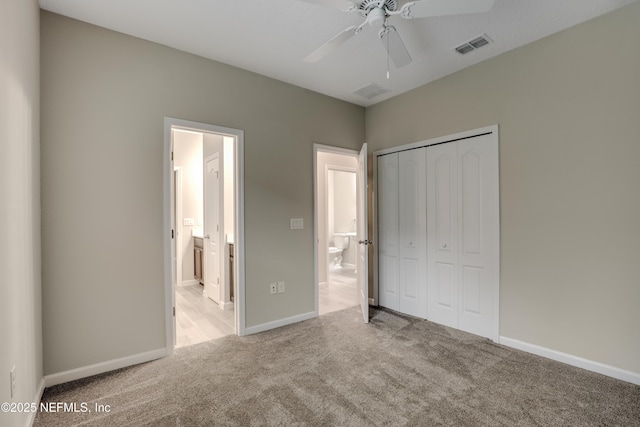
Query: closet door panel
{"points": [[442, 235], [479, 239], [412, 232], [444, 275], [388, 231], [409, 278]]}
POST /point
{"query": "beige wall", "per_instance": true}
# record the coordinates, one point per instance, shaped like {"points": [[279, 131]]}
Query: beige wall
{"points": [[105, 96], [568, 107], [20, 290]]}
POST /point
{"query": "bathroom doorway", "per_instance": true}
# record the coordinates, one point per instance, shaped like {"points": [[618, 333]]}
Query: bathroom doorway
{"points": [[336, 225], [200, 194]]}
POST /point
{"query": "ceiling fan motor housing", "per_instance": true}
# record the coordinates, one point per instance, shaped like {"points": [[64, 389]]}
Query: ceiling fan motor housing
{"points": [[369, 5]]}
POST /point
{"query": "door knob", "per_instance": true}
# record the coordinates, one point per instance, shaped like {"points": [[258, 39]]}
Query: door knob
{"points": [[206, 237], [444, 245], [365, 242]]}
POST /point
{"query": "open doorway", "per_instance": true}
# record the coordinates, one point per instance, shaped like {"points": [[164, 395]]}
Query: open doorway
{"points": [[336, 223], [206, 252]]}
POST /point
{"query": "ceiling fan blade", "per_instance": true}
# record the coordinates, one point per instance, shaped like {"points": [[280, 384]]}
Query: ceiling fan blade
{"points": [[429, 8], [331, 45], [395, 47]]}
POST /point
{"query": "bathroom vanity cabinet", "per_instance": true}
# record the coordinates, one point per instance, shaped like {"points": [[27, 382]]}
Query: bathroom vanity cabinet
{"points": [[198, 249]]}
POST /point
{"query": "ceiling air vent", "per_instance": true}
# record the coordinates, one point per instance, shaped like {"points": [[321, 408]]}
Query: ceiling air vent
{"points": [[371, 91], [474, 44]]}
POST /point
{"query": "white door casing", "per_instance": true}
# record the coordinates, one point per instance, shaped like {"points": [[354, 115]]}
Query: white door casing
{"points": [[174, 248], [212, 228], [362, 267], [170, 124]]}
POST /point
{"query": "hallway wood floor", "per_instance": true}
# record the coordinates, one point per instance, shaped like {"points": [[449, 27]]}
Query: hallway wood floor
{"points": [[199, 319]]}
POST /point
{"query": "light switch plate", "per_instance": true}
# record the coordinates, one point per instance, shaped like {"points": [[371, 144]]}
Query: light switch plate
{"points": [[296, 223], [188, 221]]}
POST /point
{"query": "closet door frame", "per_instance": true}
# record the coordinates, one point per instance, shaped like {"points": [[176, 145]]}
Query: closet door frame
{"points": [[492, 130]]}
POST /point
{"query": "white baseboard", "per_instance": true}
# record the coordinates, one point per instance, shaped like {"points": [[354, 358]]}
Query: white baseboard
{"points": [[189, 282], [99, 368], [36, 399], [569, 359], [226, 305], [278, 323]]}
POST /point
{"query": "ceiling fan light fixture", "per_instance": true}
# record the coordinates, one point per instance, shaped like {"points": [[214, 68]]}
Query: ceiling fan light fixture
{"points": [[376, 17]]}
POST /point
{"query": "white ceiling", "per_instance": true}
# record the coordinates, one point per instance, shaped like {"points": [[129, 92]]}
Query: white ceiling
{"points": [[271, 37]]}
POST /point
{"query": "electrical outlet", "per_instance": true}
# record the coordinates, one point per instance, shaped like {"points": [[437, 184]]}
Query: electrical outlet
{"points": [[12, 376], [272, 288], [280, 287]]}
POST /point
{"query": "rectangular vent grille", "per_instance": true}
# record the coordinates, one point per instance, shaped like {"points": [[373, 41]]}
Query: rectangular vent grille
{"points": [[371, 91], [472, 45]]}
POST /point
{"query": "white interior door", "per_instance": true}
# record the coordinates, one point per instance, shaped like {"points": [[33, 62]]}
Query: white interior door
{"points": [[362, 234], [388, 231], [212, 244]]}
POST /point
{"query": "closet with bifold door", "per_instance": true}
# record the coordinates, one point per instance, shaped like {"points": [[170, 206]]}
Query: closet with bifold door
{"points": [[438, 230]]}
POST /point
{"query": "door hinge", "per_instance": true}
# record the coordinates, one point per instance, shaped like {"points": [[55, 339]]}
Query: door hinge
{"points": [[172, 234], [172, 156], [217, 227], [174, 312]]}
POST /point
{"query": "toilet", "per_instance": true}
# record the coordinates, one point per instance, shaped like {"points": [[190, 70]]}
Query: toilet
{"points": [[340, 243]]}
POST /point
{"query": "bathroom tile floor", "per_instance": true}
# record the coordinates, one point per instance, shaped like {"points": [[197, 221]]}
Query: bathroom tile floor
{"points": [[199, 319], [340, 291]]}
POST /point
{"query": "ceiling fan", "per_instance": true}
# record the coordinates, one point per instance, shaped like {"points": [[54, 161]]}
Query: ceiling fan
{"points": [[377, 12]]}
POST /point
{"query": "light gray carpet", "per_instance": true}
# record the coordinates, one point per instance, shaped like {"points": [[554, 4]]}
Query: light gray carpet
{"points": [[337, 371]]}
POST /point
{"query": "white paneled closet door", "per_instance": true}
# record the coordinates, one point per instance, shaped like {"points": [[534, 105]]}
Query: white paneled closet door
{"points": [[463, 234], [402, 227], [412, 202], [479, 225], [442, 234], [388, 231]]}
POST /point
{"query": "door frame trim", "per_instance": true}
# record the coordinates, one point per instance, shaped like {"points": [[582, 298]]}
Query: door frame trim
{"points": [[239, 243], [324, 149], [177, 174]]}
